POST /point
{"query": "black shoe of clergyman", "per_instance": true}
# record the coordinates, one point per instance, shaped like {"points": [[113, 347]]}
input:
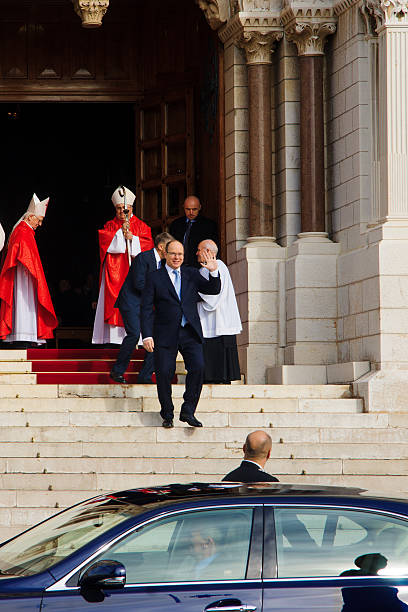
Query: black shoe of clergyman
{"points": [[190, 420], [118, 378], [167, 424]]}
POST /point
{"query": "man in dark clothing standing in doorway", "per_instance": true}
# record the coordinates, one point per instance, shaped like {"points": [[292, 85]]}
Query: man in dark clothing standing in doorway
{"points": [[257, 450], [191, 229]]}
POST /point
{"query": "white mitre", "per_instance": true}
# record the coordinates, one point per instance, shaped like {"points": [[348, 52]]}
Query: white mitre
{"points": [[37, 207], [117, 198], [2, 237]]}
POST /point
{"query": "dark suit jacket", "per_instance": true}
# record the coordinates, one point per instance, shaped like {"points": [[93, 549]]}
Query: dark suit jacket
{"points": [[201, 229], [249, 472], [130, 295], [162, 310]]}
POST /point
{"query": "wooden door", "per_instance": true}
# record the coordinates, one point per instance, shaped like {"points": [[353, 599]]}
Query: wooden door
{"points": [[164, 157]]}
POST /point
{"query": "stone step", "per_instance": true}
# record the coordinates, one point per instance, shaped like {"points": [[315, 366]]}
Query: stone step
{"points": [[28, 391], [39, 496], [304, 392], [214, 450], [314, 421], [213, 391], [266, 405], [24, 468], [182, 434], [148, 404], [126, 465], [20, 517], [284, 435], [14, 367], [17, 379], [13, 355]]}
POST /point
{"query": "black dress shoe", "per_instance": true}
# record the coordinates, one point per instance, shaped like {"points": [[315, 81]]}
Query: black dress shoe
{"points": [[167, 423], [118, 378], [190, 420]]}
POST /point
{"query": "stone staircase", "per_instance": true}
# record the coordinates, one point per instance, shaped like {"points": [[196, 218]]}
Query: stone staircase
{"points": [[61, 443]]}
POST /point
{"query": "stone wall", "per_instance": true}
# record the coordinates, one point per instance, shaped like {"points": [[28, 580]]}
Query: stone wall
{"points": [[349, 186]]}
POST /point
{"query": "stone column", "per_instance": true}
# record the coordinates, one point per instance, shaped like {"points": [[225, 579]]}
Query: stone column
{"points": [[260, 259], [392, 28], [258, 49], [309, 38], [311, 267]]}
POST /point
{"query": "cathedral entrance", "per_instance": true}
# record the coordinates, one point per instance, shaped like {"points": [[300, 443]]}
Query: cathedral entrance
{"points": [[49, 154], [136, 102]]}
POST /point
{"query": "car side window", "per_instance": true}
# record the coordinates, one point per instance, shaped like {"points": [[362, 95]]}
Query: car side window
{"points": [[190, 546], [335, 542]]}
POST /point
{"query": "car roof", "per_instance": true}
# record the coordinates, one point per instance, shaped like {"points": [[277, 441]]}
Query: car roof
{"points": [[265, 491]]}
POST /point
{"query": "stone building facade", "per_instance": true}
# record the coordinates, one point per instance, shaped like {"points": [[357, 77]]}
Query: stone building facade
{"points": [[317, 189]]}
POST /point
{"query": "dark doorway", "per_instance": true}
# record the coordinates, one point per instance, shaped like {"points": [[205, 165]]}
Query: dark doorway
{"points": [[77, 154]]}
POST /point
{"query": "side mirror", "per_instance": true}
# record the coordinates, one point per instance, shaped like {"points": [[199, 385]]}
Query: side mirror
{"points": [[105, 574]]}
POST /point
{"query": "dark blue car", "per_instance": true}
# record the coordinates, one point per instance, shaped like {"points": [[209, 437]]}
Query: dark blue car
{"points": [[212, 548]]}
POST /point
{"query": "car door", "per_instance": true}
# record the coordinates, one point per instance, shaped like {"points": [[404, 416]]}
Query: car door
{"points": [[198, 560], [334, 560]]}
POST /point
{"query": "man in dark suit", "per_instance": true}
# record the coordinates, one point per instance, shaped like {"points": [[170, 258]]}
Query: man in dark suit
{"points": [[191, 229], [170, 323], [257, 450], [129, 301]]}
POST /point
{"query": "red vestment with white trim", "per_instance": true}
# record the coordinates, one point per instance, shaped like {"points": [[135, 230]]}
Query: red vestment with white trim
{"points": [[22, 249], [117, 264]]}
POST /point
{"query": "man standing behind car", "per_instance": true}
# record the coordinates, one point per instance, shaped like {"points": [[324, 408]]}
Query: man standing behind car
{"points": [[257, 450]]}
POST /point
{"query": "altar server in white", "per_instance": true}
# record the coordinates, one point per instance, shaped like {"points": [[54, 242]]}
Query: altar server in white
{"points": [[220, 321]]}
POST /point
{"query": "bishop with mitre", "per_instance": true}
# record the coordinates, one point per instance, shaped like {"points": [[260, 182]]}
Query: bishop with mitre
{"points": [[26, 312], [120, 240]]}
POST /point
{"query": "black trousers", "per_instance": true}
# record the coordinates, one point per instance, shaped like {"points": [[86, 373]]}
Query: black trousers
{"points": [[131, 321], [191, 348]]}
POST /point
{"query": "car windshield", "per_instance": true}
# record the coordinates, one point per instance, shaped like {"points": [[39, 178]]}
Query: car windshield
{"points": [[52, 541]]}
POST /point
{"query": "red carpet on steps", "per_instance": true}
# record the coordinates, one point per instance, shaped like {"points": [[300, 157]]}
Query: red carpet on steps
{"points": [[89, 366]]}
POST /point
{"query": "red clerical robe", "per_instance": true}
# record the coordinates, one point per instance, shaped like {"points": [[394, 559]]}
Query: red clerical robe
{"points": [[117, 264], [22, 249]]}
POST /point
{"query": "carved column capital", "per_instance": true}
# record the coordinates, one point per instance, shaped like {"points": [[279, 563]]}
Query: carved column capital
{"points": [[258, 45], [386, 12], [308, 25], [91, 12], [309, 37]]}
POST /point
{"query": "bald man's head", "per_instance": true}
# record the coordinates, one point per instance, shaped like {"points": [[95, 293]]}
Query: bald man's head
{"points": [[257, 447], [202, 249], [192, 207]]}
